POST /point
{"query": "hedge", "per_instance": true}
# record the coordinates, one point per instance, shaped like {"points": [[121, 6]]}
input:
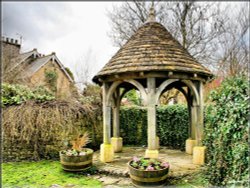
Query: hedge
{"points": [[172, 125], [226, 134]]}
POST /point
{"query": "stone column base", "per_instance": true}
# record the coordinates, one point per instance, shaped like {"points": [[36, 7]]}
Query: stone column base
{"points": [[116, 142], [152, 153], [190, 144], [157, 141], [106, 153], [199, 155]]}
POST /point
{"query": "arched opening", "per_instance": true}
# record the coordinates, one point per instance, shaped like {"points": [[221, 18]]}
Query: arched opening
{"points": [[126, 85], [173, 125], [192, 96], [114, 94]]}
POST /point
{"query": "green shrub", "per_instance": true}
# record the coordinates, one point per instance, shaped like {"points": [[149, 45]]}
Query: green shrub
{"points": [[226, 133], [17, 94], [172, 125], [133, 97]]}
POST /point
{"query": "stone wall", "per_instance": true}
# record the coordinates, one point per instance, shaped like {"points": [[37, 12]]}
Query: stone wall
{"points": [[63, 85], [10, 48], [17, 151]]}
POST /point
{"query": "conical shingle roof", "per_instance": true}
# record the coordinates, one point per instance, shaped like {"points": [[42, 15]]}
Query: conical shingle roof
{"points": [[152, 48]]}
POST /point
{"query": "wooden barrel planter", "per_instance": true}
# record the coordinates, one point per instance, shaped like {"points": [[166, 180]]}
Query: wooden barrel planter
{"points": [[76, 163], [143, 178]]}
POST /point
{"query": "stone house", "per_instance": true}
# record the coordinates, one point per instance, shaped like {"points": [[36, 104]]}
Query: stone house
{"points": [[33, 69]]}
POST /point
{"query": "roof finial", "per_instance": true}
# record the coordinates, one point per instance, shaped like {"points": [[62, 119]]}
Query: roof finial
{"points": [[151, 17]]}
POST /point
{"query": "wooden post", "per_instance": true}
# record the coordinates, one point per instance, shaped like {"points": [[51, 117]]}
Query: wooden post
{"points": [[200, 119], [191, 142], [116, 140], [194, 121], [151, 152], [116, 119], [199, 151], [106, 116], [107, 151]]}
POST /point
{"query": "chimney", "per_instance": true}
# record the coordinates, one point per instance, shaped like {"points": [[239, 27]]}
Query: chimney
{"points": [[10, 47]]}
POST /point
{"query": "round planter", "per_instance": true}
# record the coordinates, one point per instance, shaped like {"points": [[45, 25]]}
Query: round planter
{"points": [[77, 163], [147, 178]]}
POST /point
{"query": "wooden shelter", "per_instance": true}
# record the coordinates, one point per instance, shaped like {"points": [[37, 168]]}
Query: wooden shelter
{"points": [[152, 61]]}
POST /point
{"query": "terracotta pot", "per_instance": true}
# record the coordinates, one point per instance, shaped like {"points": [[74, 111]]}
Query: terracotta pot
{"points": [[77, 163], [147, 178]]}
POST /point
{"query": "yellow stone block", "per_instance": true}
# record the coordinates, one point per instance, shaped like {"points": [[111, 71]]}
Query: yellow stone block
{"points": [[152, 153], [190, 144], [116, 142], [107, 153], [199, 155]]}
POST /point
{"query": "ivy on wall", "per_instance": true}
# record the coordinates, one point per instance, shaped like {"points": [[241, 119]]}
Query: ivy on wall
{"points": [[226, 134], [51, 78]]}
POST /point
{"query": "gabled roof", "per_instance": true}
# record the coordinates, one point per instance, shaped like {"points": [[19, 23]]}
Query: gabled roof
{"points": [[152, 48], [23, 57], [42, 61]]}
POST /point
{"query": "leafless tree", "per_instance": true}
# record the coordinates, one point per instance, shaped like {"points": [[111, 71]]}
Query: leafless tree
{"points": [[84, 68], [205, 29], [233, 57], [196, 25]]}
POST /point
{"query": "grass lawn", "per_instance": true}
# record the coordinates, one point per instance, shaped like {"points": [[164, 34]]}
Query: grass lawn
{"points": [[42, 174], [195, 180]]}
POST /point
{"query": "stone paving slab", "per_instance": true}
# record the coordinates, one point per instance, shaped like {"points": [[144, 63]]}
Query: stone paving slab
{"points": [[180, 162]]}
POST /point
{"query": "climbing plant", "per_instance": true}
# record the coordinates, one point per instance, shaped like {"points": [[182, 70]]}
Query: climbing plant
{"points": [[70, 73], [226, 133], [51, 78]]}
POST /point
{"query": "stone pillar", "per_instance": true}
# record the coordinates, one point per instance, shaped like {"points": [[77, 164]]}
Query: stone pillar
{"points": [[116, 140], [199, 151], [107, 151], [151, 152]]}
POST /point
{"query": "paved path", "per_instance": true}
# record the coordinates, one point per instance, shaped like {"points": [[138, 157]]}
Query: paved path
{"points": [[115, 174]]}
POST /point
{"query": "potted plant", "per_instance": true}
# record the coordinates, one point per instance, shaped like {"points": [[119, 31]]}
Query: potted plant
{"points": [[148, 172], [77, 158]]}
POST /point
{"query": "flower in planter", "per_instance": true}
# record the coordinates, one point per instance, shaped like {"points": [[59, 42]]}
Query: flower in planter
{"points": [[77, 158], [148, 164], [78, 145]]}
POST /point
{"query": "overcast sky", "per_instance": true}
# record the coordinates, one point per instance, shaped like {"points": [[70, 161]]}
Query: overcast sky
{"points": [[71, 29]]}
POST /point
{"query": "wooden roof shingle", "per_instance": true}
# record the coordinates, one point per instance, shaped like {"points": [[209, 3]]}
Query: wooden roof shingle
{"points": [[152, 48]]}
